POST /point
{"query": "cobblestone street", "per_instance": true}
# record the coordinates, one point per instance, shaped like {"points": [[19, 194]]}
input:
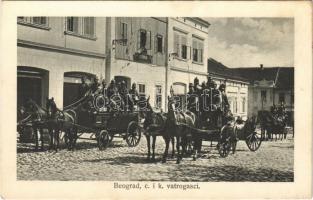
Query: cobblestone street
{"points": [[272, 162]]}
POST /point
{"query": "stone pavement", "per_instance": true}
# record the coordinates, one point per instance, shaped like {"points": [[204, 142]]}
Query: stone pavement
{"points": [[272, 162]]}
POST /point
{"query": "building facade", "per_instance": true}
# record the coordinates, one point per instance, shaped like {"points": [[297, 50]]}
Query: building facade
{"points": [[53, 53], [137, 53], [188, 53], [236, 87], [269, 86]]}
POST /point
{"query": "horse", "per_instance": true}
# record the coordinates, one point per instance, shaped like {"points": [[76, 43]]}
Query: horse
{"points": [[36, 116], [153, 126], [61, 121], [179, 124], [272, 125]]}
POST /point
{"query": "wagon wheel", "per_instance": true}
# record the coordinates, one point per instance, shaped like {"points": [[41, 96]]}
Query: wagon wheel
{"points": [[224, 146], [103, 139], [133, 134], [253, 141]]}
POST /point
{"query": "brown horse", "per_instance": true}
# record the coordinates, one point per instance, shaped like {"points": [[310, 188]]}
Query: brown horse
{"points": [[36, 116], [154, 125], [61, 121], [179, 124]]}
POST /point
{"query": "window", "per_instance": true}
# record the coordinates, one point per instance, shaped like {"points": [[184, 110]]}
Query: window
{"points": [[235, 105], [243, 105], [72, 24], [180, 45], [142, 89], [197, 50], [124, 31], [159, 44], [158, 96], [195, 55], [82, 26], [144, 40], [263, 95], [184, 51], [39, 22], [89, 26]]}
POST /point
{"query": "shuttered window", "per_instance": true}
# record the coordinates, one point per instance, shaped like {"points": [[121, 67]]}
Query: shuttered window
{"points": [[36, 21], [40, 20], [84, 26], [89, 26], [183, 47], [197, 50], [144, 39], [159, 44], [123, 31], [72, 24], [176, 44]]}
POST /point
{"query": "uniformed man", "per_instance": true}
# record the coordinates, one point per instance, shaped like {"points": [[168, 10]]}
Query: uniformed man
{"points": [[112, 89], [192, 99], [83, 88], [225, 103], [95, 85], [103, 88], [134, 96], [216, 101], [123, 91]]}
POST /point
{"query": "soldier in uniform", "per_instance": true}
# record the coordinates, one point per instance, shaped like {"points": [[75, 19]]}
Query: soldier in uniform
{"points": [[216, 105], [192, 99], [95, 85], [112, 89], [134, 96], [225, 103], [83, 88], [123, 91]]}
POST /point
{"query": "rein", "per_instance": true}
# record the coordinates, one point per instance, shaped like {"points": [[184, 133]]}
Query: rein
{"points": [[78, 102]]}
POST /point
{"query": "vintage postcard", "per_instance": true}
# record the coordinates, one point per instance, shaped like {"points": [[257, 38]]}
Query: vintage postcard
{"points": [[156, 100]]}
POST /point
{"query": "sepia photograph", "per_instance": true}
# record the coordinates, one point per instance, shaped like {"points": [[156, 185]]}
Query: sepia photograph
{"points": [[155, 99]]}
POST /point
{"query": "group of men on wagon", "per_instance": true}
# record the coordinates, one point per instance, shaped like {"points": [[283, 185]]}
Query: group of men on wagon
{"points": [[208, 102], [118, 92]]}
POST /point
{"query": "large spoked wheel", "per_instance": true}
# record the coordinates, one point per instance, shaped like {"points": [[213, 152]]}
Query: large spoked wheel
{"points": [[133, 134], [254, 141], [224, 146], [103, 139]]}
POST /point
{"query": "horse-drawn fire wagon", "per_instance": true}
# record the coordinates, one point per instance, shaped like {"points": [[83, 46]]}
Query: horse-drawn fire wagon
{"points": [[80, 118]]}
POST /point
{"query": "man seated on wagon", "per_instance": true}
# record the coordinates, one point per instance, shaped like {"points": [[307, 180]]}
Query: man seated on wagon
{"points": [[134, 97], [95, 85], [83, 88], [112, 89], [192, 100], [225, 104], [123, 91], [216, 107]]}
